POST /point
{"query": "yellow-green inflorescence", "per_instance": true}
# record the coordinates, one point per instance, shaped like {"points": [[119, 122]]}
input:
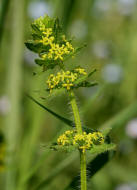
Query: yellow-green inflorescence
{"points": [[56, 51], [65, 79], [84, 141], [50, 43]]}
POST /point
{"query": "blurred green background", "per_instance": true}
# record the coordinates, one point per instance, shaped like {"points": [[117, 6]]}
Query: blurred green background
{"points": [[109, 28]]}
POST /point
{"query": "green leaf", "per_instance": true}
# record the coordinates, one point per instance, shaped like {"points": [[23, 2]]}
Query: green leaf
{"points": [[61, 118], [47, 64], [36, 36], [86, 84], [57, 29], [92, 72], [84, 78], [35, 47], [78, 49], [66, 57], [57, 147], [35, 28], [98, 149], [40, 62]]}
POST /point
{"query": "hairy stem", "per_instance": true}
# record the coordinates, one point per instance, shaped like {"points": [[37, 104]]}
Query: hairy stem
{"points": [[83, 170], [79, 130], [75, 112]]}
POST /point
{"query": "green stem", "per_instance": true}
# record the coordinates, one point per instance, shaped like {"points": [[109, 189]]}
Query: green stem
{"points": [[75, 112], [83, 170], [79, 130]]}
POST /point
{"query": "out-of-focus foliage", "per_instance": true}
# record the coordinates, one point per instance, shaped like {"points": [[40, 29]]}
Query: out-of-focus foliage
{"points": [[109, 29]]}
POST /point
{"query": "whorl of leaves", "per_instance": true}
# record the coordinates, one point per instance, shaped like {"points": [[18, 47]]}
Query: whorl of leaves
{"points": [[36, 46]]}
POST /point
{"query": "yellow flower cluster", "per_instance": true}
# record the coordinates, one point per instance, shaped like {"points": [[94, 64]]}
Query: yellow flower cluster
{"points": [[83, 141], [64, 79], [65, 138], [56, 51], [47, 39]]}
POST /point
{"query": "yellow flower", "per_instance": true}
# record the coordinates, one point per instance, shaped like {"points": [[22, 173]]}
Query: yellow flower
{"points": [[68, 133], [47, 32], [58, 56], [42, 26], [54, 46], [44, 56], [81, 71], [69, 46], [50, 56], [73, 77], [46, 41], [63, 140], [66, 51], [67, 85]]}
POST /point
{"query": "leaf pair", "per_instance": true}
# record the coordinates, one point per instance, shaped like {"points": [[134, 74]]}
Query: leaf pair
{"points": [[95, 150]]}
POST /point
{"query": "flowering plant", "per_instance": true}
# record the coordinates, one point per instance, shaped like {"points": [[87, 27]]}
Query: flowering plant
{"points": [[53, 49]]}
